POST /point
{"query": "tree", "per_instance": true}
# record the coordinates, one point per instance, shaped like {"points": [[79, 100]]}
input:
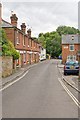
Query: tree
{"points": [[66, 30], [52, 40], [42, 40]]}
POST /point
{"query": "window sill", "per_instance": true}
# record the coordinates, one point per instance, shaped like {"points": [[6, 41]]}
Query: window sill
{"points": [[71, 50]]}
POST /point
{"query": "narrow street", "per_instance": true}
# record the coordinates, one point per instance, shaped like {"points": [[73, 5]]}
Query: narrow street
{"points": [[39, 94]]}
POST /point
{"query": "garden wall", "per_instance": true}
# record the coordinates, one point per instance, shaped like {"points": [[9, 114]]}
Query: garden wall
{"points": [[7, 66]]}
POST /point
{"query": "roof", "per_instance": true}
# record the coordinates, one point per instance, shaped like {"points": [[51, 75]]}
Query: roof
{"points": [[5, 24], [71, 39]]}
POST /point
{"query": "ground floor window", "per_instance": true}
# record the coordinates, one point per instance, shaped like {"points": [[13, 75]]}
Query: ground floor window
{"points": [[71, 57]]}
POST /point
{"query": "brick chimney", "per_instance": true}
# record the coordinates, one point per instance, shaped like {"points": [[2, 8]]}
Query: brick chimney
{"points": [[14, 20], [23, 27], [29, 33]]}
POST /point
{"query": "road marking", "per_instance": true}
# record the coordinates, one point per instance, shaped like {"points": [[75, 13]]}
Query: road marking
{"points": [[14, 81], [69, 93], [72, 85]]}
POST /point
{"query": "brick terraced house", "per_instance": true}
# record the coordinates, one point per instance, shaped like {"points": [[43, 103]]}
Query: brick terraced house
{"points": [[28, 48], [70, 47]]}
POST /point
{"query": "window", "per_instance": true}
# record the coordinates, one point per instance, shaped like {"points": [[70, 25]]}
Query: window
{"points": [[28, 42], [23, 40], [71, 57], [72, 37], [71, 47], [31, 43], [17, 37]]}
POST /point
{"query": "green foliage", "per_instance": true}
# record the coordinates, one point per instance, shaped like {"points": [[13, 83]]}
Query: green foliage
{"points": [[7, 46], [15, 54], [52, 40], [42, 40], [67, 30]]}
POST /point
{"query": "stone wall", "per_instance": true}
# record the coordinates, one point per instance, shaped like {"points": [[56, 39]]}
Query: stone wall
{"points": [[7, 66]]}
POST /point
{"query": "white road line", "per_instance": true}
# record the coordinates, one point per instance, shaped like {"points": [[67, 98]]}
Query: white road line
{"points": [[70, 84], [69, 93], [14, 81]]}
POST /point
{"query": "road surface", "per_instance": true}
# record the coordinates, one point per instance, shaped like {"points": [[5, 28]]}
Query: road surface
{"points": [[39, 94]]}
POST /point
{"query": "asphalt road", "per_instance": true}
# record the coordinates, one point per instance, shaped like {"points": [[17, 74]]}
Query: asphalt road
{"points": [[38, 95]]}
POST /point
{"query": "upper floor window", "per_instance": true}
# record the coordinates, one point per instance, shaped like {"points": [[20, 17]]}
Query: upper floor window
{"points": [[72, 37], [23, 40], [71, 47], [17, 37], [28, 42]]}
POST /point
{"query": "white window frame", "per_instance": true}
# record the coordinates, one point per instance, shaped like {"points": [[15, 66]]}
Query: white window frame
{"points": [[73, 57], [70, 47]]}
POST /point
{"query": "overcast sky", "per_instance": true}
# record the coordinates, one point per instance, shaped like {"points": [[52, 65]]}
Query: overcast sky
{"points": [[43, 16]]}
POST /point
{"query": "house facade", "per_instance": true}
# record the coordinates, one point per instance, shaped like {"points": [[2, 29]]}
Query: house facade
{"points": [[70, 47], [42, 54], [28, 48]]}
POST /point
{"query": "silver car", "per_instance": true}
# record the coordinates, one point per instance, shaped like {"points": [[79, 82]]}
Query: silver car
{"points": [[71, 67]]}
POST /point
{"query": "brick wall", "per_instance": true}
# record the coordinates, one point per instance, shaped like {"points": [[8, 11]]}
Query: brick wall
{"points": [[10, 34], [23, 43], [66, 51], [7, 66]]}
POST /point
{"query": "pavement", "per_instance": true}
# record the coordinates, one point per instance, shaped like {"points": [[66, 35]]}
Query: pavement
{"points": [[17, 73], [72, 80]]}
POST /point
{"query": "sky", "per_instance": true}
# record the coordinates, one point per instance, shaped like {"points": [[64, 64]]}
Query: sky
{"points": [[42, 17]]}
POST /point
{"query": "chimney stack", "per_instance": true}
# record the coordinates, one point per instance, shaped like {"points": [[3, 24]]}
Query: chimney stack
{"points": [[23, 27], [14, 20], [29, 33]]}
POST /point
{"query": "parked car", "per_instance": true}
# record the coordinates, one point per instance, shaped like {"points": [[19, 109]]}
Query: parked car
{"points": [[59, 57], [71, 67]]}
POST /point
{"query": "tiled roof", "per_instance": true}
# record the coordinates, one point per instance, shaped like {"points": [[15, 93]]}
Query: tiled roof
{"points": [[71, 39]]}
